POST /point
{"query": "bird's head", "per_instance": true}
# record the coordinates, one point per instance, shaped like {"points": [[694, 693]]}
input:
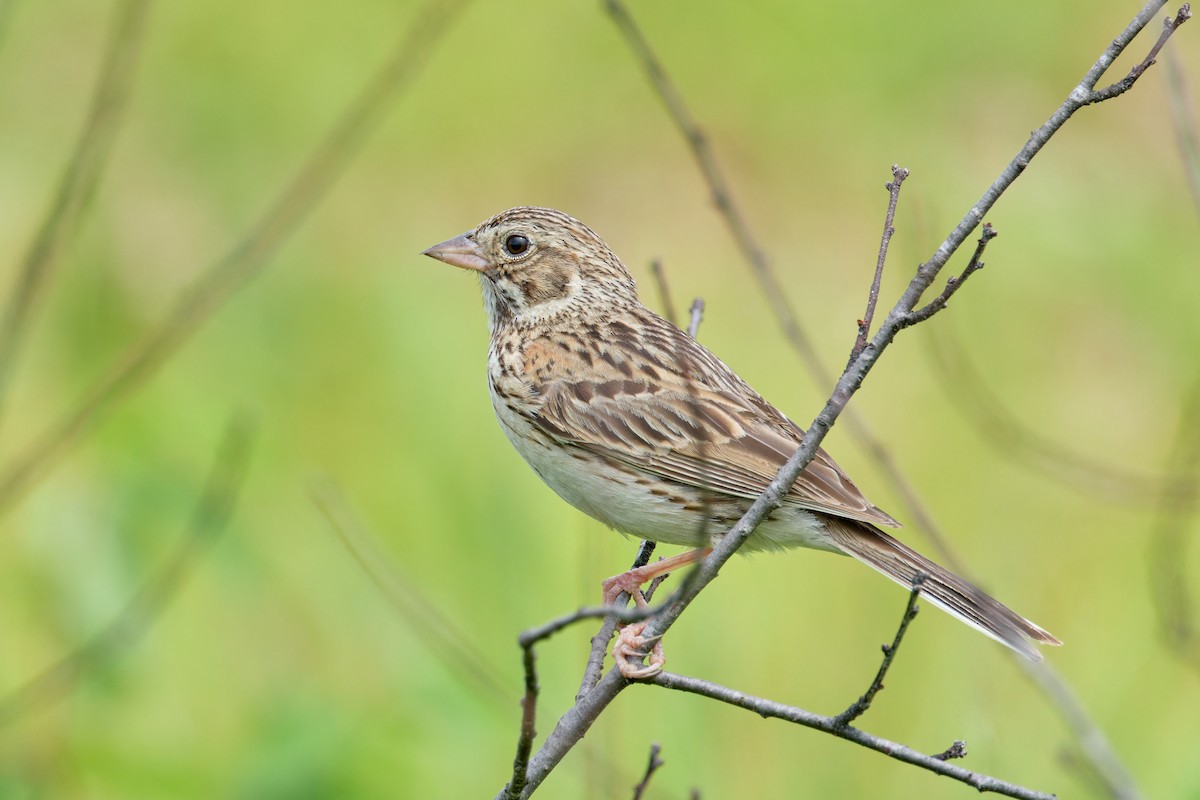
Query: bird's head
{"points": [[536, 263]]}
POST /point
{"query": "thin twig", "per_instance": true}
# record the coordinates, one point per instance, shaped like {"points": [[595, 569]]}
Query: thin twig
{"points": [[621, 614], [771, 709], [209, 520], [78, 182], [953, 284], [1126, 83], [655, 762], [664, 291], [864, 324], [528, 723], [245, 260], [697, 315], [1183, 115], [860, 706]]}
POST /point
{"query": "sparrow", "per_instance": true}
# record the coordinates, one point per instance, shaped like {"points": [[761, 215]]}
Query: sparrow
{"points": [[634, 422]]}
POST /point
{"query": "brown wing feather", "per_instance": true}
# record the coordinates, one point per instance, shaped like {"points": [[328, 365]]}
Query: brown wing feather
{"points": [[719, 435]]}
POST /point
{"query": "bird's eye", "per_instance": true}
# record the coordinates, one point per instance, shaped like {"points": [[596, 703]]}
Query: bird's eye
{"points": [[516, 244]]}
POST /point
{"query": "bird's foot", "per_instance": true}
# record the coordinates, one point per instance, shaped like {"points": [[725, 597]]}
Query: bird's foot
{"points": [[632, 648]]}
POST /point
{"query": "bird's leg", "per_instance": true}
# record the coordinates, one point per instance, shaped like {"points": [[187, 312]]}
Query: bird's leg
{"points": [[631, 647], [631, 581]]}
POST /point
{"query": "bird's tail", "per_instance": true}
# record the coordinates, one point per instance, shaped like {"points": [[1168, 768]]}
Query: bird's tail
{"points": [[941, 587]]}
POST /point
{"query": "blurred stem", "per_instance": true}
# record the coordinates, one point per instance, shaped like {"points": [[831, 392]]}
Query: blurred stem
{"points": [[78, 181], [211, 517], [436, 630], [245, 260], [1173, 598], [1183, 114]]}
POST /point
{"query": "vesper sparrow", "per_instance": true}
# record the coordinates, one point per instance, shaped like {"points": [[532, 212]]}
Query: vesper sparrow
{"points": [[635, 423]]}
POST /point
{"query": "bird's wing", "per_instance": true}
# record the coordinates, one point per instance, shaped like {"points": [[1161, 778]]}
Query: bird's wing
{"points": [[725, 439]]}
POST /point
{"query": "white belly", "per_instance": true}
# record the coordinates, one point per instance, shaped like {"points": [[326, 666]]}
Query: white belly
{"points": [[643, 505]]}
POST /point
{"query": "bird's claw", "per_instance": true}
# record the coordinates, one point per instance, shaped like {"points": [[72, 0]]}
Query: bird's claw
{"points": [[631, 648]]}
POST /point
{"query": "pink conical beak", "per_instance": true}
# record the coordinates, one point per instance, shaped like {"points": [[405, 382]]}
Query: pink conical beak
{"points": [[461, 251]]}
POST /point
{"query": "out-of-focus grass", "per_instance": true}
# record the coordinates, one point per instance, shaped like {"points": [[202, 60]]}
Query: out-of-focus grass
{"points": [[280, 671]]}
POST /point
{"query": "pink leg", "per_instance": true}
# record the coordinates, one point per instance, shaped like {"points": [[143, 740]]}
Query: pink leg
{"points": [[632, 580]]}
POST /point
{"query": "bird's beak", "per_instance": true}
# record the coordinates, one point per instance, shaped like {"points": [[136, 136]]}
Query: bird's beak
{"points": [[461, 251]]}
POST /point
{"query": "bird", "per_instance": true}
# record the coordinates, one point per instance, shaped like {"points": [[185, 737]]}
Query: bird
{"points": [[634, 422]]}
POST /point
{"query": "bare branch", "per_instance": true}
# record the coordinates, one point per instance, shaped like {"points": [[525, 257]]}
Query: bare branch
{"points": [[577, 720], [771, 709], [245, 260], [1183, 114], [860, 706], [78, 181], [1098, 756], [211, 517], [528, 724], [655, 762], [952, 283], [864, 324], [1126, 83], [697, 314]]}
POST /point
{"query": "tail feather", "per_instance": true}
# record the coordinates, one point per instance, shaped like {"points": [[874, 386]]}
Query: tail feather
{"points": [[941, 587]]}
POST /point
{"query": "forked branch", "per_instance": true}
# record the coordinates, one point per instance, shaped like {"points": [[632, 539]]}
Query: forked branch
{"points": [[906, 312]]}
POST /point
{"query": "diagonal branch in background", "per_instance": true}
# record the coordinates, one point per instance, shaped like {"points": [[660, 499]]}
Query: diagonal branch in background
{"points": [[1013, 438], [246, 259], [78, 182], [211, 517], [1173, 601], [574, 724], [448, 643], [1183, 115], [769, 284]]}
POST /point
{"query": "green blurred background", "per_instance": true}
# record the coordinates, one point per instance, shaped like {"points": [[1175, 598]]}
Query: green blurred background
{"points": [[279, 670]]}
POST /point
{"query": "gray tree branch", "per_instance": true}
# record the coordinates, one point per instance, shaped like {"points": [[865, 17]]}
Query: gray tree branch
{"points": [[579, 718]]}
